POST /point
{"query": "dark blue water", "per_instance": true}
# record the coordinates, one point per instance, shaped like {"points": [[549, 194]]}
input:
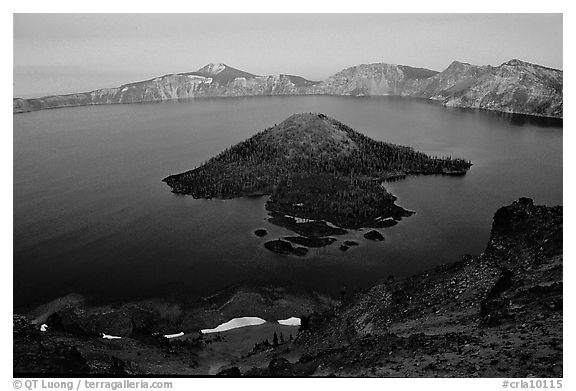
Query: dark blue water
{"points": [[92, 216]]}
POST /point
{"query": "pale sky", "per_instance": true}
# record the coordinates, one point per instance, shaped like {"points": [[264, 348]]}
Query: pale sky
{"points": [[64, 53]]}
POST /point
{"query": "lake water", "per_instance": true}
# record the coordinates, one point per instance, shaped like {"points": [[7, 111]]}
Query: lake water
{"points": [[92, 216]]}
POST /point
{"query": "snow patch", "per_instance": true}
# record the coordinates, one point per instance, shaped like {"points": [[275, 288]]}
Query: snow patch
{"points": [[290, 321], [201, 79], [331, 224], [169, 336], [234, 324], [300, 220], [106, 336]]}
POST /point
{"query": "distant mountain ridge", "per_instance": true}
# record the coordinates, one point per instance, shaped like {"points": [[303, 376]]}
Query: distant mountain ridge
{"points": [[514, 87]]}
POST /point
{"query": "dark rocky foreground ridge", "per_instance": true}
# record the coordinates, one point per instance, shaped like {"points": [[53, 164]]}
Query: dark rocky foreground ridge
{"points": [[495, 315], [512, 87], [315, 168]]}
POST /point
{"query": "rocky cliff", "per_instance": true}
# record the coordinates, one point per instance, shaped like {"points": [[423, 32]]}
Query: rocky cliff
{"points": [[374, 80], [495, 315], [513, 87], [213, 80], [499, 314]]}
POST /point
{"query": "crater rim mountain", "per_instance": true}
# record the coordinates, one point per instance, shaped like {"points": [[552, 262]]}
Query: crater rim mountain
{"points": [[515, 86]]}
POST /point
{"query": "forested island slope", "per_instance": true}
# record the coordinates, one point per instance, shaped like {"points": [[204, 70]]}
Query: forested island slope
{"points": [[314, 167]]}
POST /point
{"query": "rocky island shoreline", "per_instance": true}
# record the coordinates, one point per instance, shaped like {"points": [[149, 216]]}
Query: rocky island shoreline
{"points": [[498, 314]]}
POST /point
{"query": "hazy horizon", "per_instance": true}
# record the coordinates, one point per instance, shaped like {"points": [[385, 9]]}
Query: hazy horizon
{"points": [[66, 53]]}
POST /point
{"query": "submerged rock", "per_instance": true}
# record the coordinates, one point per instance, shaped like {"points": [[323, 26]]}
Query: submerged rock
{"points": [[260, 232], [374, 235], [283, 247]]}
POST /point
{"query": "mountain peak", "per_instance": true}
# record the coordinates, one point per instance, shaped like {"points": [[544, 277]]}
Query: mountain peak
{"points": [[306, 122], [222, 73], [519, 63], [213, 68], [310, 134], [515, 62], [303, 117], [458, 64]]}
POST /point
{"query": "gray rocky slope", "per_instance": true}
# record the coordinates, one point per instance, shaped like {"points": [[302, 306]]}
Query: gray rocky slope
{"points": [[513, 87]]}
